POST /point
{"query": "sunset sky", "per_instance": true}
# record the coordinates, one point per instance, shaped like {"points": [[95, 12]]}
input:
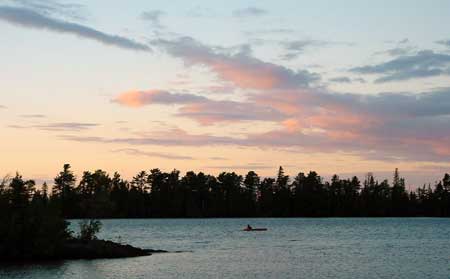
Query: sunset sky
{"points": [[226, 86]]}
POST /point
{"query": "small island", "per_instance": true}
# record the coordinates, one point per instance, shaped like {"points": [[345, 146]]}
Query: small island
{"points": [[34, 229], [87, 246], [101, 249]]}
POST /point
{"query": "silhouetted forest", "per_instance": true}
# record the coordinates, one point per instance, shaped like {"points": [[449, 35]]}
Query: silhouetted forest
{"points": [[33, 222], [32, 226], [160, 194]]}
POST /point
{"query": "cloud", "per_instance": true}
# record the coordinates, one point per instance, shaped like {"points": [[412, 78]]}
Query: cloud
{"points": [[402, 48], [239, 68], [360, 80], [402, 126], [344, 79], [172, 137], [31, 19], [142, 98], [217, 89], [218, 158], [33, 116], [137, 152], [313, 118], [154, 17], [17, 126], [341, 80], [201, 109], [395, 124], [293, 49], [229, 111], [2, 107], [388, 141], [394, 105], [250, 166], [397, 51], [54, 8], [427, 104], [444, 42], [425, 63], [249, 12], [61, 126], [296, 48], [66, 126]]}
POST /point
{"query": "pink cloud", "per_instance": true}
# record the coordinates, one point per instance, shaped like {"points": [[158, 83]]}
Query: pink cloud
{"points": [[320, 120], [292, 125], [377, 126], [247, 75], [241, 68], [141, 98], [135, 98], [201, 109]]}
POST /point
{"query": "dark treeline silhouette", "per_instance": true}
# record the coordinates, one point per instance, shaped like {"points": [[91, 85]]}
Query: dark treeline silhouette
{"points": [[161, 194], [32, 225]]}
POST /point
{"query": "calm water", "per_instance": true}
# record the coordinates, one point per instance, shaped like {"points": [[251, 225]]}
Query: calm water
{"points": [[291, 248]]}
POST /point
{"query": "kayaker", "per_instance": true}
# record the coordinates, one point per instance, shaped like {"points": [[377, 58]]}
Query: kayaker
{"points": [[249, 228]]}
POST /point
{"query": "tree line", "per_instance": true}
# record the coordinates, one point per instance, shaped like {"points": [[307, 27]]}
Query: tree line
{"points": [[158, 194]]}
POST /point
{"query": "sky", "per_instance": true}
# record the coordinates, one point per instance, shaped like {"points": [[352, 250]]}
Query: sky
{"points": [[336, 87]]}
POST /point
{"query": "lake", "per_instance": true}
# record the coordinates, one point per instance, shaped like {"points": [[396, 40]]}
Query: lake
{"points": [[291, 248]]}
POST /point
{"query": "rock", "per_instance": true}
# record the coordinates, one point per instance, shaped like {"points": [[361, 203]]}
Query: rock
{"points": [[96, 249]]}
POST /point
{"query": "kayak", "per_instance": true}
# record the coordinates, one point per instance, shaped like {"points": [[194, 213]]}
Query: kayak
{"points": [[255, 229]]}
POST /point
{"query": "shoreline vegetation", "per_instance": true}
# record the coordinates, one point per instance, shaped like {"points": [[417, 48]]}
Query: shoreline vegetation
{"points": [[33, 219], [158, 194], [33, 228]]}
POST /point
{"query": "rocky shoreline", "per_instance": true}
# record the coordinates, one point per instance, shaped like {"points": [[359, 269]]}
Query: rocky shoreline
{"points": [[101, 249], [76, 249]]}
